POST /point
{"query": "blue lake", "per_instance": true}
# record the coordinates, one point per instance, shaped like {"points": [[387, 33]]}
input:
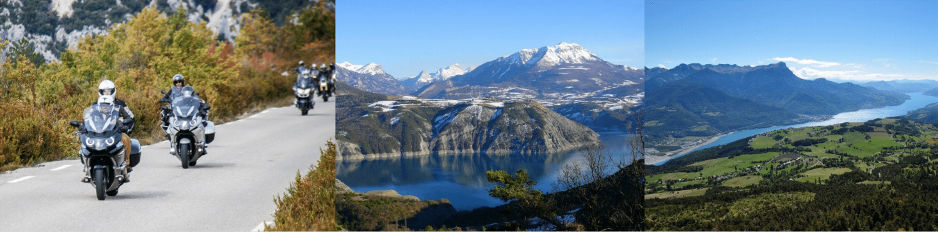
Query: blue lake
{"points": [[461, 178], [916, 101]]}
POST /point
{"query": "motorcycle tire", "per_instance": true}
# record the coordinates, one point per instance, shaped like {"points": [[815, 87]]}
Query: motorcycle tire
{"points": [[100, 184], [112, 193], [304, 111], [184, 156], [325, 98]]}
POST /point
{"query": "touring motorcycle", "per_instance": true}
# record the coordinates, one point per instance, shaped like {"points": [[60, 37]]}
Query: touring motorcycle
{"points": [[302, 90], [102, 149], [326, 84], [188, 131]]}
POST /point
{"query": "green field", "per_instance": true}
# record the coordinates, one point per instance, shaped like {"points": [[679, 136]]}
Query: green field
{"points": [[821, 174], [742, 181], [682, 193], [875, 175], [800, 154]]}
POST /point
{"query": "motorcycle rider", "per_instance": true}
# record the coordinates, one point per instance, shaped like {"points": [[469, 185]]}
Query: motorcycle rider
{"points": [[176, 91], [301, 67], [300, 77], [107, 96]]}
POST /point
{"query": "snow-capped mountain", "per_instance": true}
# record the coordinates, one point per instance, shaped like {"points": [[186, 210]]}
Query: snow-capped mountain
{"points": [[423, 78], [565, 77], [549, 56], [451, 71], [565, 71], [370, 68], [370, 77], [52, 26]]}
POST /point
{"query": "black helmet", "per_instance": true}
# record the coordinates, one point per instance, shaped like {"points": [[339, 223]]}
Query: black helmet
{"points": [[332, 66], [179, 79]]}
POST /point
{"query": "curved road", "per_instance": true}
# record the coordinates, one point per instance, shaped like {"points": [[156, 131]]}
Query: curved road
{"points": [[251, 161]]}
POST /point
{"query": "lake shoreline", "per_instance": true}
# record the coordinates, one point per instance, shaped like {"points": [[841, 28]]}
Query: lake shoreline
{"points": [[916, 101], [660, 159]]}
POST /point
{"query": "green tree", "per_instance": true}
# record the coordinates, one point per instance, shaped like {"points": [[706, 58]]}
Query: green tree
{"points": [[23, 49], [519, 188]]}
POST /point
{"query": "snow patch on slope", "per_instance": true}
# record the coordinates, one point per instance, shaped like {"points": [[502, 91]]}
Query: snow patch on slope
{"points": [[370, 68], [62, 8], [563, 53]]}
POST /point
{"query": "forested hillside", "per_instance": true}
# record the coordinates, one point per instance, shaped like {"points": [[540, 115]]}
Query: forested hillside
{"points": [[877, 175]]}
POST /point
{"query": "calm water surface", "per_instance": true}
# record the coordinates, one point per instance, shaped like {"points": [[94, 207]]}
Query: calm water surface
{"points": [[461, 178]]}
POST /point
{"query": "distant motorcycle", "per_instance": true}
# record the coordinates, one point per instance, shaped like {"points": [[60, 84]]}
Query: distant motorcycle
{"points": [[188, 131], [302, 90], [326, 84], [102, 151]]}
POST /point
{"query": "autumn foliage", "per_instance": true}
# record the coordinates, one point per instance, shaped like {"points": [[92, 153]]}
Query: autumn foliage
{"points": [[140, 56]]}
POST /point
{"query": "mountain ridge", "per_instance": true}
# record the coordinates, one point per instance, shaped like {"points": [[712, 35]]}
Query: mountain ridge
{"points": [[373, 126]]}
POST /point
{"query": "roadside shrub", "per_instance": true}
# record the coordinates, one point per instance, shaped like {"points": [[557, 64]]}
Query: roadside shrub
{"points": [[309, 203]]}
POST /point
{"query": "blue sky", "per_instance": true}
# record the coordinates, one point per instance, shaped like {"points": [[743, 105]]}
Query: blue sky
{"points": [[407, 36], [846, 40]]}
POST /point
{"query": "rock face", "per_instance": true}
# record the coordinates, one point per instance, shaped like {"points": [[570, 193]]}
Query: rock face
{"points": [[410, 127], [53, 26], [518, 127]]}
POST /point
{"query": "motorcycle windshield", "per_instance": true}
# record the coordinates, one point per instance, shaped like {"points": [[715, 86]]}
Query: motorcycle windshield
{"points": [[186, 107], [176, 92], [100, 118], [303, 83]]}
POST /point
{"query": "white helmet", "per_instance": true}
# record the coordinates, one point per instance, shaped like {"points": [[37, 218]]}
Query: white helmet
{"points": [[106, 88], [106, 103]]}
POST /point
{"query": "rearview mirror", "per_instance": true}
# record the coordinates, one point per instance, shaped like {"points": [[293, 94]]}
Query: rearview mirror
{"points": [[74, 123], [163, 91]]}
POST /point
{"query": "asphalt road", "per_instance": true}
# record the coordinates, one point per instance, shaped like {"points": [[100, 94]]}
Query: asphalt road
{"points": [[231, 189]]}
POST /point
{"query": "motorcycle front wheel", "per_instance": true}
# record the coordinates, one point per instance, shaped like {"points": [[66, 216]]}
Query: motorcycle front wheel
{"points": [[184, 156], [99, 183]]}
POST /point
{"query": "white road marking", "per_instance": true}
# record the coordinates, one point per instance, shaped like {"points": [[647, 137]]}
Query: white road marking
{"points": [[260, 227], [20, 179], [61, 167]]}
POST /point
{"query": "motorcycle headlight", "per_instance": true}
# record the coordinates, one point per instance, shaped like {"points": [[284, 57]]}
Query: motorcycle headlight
{"points": [[109, 141], [181, 124], [89, 142], [195, 121]]}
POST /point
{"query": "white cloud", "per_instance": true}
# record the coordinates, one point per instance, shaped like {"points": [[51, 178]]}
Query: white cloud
{"points": [[816, 63], [928, 62], [813, 69], [854, 75]]}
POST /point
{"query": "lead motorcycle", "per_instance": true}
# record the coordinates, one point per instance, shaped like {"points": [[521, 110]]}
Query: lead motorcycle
{"points": [[303, 90], [326, 84], [102, 150], [188, 131]]}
